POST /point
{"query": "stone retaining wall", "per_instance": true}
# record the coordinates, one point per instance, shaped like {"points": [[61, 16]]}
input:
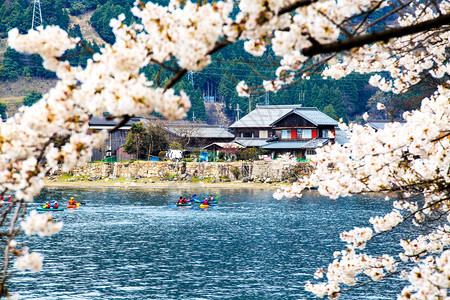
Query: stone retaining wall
{"points": [[262, 171]]}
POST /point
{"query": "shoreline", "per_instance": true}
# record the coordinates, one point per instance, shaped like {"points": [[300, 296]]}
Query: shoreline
{"points": [[142, 184]]}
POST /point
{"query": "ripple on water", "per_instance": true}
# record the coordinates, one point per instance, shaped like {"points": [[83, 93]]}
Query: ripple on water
{"points": [[134, 245]]}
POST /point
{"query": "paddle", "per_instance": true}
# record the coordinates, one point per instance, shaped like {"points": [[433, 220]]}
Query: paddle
{"points": [[81, 203]]}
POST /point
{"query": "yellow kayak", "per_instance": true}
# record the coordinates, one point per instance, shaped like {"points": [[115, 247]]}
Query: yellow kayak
{"points": [[204, 205]]}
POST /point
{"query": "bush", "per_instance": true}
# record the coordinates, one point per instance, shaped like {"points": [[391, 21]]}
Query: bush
{"points": [[175, 146], [249, 154], [65, 176], [236, 172], [221, 156], [219, 160], [195, 152], [162, 154], [188, 160]]}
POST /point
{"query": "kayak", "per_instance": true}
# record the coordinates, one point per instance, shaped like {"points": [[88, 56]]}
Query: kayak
{"points": [[214, 201], [40, 208], [184, 204], [73, 205], [204, 205]]}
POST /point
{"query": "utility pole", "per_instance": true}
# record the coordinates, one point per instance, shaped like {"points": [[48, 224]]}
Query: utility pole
{"points": [[37, 15], [301, 97], [193, 116], [266, 99], [237, 111]]}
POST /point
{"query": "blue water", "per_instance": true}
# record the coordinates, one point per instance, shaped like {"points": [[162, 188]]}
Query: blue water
{"points": [[135, 244]]}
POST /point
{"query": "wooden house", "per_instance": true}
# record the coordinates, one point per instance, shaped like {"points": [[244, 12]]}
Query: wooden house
{"points": [[115, 141], [284, 129], [254, 129]]}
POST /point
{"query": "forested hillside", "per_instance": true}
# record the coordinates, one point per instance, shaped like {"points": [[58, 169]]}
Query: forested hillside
{"points": [[348, 98]]}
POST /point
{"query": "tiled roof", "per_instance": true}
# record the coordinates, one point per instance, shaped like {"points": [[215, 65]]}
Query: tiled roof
{"points": [[224, 145], [311, 144], [379, 124], [341, 137], [263, 116], [197, 130], [266, 116], [312, 114], [284, 145], [103, 123], [250, 142], [316, 143]]}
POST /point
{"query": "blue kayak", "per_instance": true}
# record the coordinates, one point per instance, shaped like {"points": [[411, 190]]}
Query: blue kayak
{"points": [[40, 208]]}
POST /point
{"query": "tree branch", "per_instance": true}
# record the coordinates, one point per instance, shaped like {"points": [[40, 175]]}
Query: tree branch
{"points": [[378, 36]]}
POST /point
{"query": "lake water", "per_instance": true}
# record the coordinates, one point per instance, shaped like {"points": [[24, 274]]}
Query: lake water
{"points": [[135, 244]]}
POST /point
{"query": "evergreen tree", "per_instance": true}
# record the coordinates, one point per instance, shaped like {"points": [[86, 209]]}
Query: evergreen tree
{"points": [[197, 104], [3, 107], [32, 98], [329, 110]]}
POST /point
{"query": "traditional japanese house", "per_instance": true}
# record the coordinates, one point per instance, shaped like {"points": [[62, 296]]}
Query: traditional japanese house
{"points": [[301, 131], [254, 129], [284, 129]]}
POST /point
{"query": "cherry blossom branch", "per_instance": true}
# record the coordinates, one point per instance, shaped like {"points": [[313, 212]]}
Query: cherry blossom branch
{"points": [[7, 248], [379, 36], [367, 282]]}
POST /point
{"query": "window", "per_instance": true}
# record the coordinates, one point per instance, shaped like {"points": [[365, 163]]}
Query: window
{"points": [[247, 134], [263, 134], [285, 134], [306, 133], [310, 152], [299, 132], [325, 133]]}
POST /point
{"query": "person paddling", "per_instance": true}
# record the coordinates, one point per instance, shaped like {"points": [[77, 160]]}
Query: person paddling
{"points": [[72, 201]]}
